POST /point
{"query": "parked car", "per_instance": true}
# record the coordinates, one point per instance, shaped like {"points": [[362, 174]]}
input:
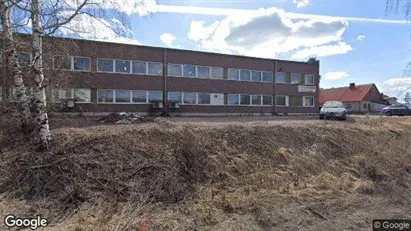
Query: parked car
{"points": [[333, 110], [397, 109]]}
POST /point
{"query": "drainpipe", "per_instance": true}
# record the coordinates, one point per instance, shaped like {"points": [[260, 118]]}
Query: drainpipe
{"points": [[165, 98], [274, 88]]}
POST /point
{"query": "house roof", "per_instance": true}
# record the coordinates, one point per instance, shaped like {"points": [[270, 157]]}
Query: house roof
{"points": [[345, 94]]}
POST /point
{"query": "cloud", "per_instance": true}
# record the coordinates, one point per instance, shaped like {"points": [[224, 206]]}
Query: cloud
{"points": [[269, 33], [335, 75], [302, 3], [167, 38], [395, 87], [360, 37], [91, 28], [321, 51]]}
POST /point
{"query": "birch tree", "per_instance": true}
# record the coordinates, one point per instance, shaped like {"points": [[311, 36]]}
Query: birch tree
{"points": [[12, 65]]}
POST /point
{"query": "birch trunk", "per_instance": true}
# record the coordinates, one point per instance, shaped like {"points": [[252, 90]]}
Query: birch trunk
{"points": [[12, 65], [39, 90]]}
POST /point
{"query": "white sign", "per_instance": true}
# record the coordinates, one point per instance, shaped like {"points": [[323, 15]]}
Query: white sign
{"points": [[306, 88]]}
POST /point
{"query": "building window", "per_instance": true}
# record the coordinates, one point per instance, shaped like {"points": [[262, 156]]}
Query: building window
{"points": [[245, 75], [23, 58], [295, 78], [280, 77], [203, 98], [155, 96], [105, 65], [233, 99], [203, 72], [217, 73], [139, 97], [122, 96], [28, 90], [233, 74], [175, 70], [256, 100], [139, 68], [81, 95], [245, 100], [365, 105], [60, 94], [122, 66], [309, 79], [62, 63], [256, 76], [47, 62], [267, 100], [189, 71], [155, 68], [189, 98], [82, 64], [308, 101], [105, 96], [281, 100], [267, 76], [296, 101], [175, 96]]}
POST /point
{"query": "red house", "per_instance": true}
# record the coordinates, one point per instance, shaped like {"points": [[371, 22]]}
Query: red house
{"points": [[359, 99]]}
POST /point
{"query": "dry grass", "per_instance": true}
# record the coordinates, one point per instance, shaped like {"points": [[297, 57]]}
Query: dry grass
{"points": [[185, 177]]}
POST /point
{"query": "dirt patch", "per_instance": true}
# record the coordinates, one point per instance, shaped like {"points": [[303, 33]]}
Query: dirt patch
{"points": [[234, 176]]}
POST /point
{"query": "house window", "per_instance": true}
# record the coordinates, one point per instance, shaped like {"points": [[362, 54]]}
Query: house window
{"points": [[267, 76], [280, 77], [233, 74], [47, 62], [60, 94], [139, 68], [175, 70], [28, 90], [175, 96], [309, 79], [203, 98], [139, 97], [203, 72], [245, 100], [267, 100], [365, 105], [105, 96], [122, 66], [189, 71], [233, 99], [245, 75], [189, 98], [256, 100], [155, 68], [308, 101], [281, 100], [62, 63], [23, 58], [295, 78], [81, 95], [155, 96], [296, 101], [82, 64], [256, 76], [217, 73], [123, 96], [105, 65]]}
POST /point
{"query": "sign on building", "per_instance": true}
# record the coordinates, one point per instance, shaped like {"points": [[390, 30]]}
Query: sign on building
{"points": [[306, 88]]}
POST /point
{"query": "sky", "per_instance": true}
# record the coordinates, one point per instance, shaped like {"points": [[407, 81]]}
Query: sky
{"points": [[355, 40]]}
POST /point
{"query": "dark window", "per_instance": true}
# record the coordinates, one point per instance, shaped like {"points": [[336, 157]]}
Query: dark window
{"points": [[174, 96], [267, 100], [139, 97], [256, 76], [295, 78], [233, 74], [280, 77], [123, 96], [245, 99], [174, 70], [233, 99], [155, 68], [245, 75], [189, 98], [105, 96], [267, 76], [217, 73], [122, 66], [82, 64], [139, 68], [203, 72], [155, 96], [62, 62], [296, 101], [105, 65], [281, 100], [256, 100], [203, 98], [189, 70]]}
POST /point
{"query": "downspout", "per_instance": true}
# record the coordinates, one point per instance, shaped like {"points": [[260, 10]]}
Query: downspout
{"points": [[165, 98], [274, 88]]}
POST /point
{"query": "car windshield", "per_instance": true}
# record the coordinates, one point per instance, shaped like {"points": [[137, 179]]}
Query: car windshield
{"points": [[333, 104]]}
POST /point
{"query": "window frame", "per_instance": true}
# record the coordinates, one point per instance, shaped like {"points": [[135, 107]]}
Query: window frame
{"points": [[114, 66], [132, 67], [181, 96], [249, 72], [305, 97], [129, 66], [147, 65], [287, 101], [262, 77], [285, 77], [82, 57], [267, 105], [181, 68], [115, 96], [71, 63], [305, 79], [228, 99], [291, 78], [73, 95], [211, 72], [145, 93], [195, 70], [195, 95]]}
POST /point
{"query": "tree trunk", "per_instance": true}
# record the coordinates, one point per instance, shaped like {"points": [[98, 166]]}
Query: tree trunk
{"points": [[12, 65], [39, 90]]}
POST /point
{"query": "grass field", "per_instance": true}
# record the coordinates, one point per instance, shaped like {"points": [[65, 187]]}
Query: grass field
{"points": [[242, 173]]}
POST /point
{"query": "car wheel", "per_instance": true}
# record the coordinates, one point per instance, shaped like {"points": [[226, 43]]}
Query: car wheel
{"points": [[388, 113], [321, 117]]}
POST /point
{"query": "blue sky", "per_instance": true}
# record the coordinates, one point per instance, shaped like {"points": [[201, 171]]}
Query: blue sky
{"points": [[352, 45]]}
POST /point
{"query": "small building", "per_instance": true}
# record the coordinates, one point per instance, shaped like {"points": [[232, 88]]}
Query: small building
{"points": [[389, 99], [358, 98]]}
